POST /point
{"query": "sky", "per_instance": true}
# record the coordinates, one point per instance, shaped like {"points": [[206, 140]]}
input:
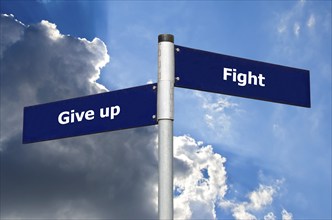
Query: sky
{"points": [[234, 158]]}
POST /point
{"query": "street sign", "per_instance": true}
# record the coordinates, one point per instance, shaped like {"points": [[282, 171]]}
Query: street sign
{"points": [[136, 107], [121, 109], [212, 72]]}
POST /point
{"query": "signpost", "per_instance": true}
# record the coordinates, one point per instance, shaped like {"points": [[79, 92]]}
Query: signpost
{"points": [[147, 105], [212, 72], [122, 109], [165, 123]]}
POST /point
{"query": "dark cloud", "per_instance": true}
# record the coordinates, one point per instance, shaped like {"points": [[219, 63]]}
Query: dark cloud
{"points": [[108, 175]]}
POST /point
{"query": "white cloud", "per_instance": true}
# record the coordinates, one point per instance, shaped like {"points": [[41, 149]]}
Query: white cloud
{"points": [[286, 215], [278, 131], [259, 200], [263, 196], [240, 213], [296, 29], [218, 110], [270, 216], [52, 31], [200, 179], [200, 185], [311, 21], [291, 22]]}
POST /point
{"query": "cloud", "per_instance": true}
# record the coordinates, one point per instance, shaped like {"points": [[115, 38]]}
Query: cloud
{"points": [[286, 215], [218, 114], [200, 179], [311, 21], [14, 31], [270, 216], [296, 29], [240, 212], [200, 185], [95, 176], [261, 197], [39, 65], [291, 19], [300, 27], [259, 200]]}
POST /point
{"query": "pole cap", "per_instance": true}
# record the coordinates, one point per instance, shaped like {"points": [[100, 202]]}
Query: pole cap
{"points": [[165, 37]]}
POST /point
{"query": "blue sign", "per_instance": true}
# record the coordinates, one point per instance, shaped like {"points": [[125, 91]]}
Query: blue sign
{"points": [[122, 109], [212, 72]]}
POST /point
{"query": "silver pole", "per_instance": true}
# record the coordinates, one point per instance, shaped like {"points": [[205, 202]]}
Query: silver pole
{"points": [[165, 112]]}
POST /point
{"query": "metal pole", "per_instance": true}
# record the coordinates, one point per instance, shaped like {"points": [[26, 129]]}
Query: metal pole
{"points": [[165, 114]]}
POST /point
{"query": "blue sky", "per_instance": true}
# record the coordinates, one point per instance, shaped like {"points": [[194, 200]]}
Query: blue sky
{"points": [[264, 144]]}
